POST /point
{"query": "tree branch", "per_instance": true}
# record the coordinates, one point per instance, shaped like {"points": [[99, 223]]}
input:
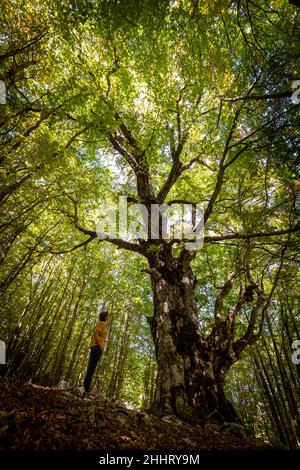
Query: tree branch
{"points": [[173, 176], [220, 299], [270, 96], [93, 234], [194, 160], [127, 146], [248, 236], [222, 167], [176, 169], [13, 186], [242, 342], [70, 250]]}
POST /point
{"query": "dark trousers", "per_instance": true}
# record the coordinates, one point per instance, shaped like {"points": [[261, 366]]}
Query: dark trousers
{"points": [[95, 354]]}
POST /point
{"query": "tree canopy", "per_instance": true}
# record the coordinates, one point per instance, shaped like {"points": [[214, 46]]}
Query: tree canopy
{"points": [[159, 101]]}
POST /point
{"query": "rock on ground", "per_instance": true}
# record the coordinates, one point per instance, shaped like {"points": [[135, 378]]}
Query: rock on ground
{"points": [[42, 418]]}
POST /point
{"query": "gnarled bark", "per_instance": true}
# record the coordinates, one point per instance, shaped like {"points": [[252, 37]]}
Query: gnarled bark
{"points": [[191, 368]]}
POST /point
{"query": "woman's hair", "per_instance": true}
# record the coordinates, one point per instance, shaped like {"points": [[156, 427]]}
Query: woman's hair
{"points": [[103, 315]]}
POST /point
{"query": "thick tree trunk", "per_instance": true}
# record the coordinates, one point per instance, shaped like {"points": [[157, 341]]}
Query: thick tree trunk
{"points": [[191, 369]]}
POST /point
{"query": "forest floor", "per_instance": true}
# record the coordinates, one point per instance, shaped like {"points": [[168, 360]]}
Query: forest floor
{"points": [[41, 418]]}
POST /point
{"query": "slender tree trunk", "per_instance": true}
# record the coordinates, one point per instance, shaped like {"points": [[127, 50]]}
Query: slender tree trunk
{"points": [[76, 348], [270, 399]]}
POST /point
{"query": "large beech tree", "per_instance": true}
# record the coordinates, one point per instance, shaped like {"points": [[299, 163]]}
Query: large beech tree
{"points": [[184, 102]]}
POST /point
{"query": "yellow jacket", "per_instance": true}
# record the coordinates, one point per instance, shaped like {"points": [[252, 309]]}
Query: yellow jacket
{"points": [[99, 335]]}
